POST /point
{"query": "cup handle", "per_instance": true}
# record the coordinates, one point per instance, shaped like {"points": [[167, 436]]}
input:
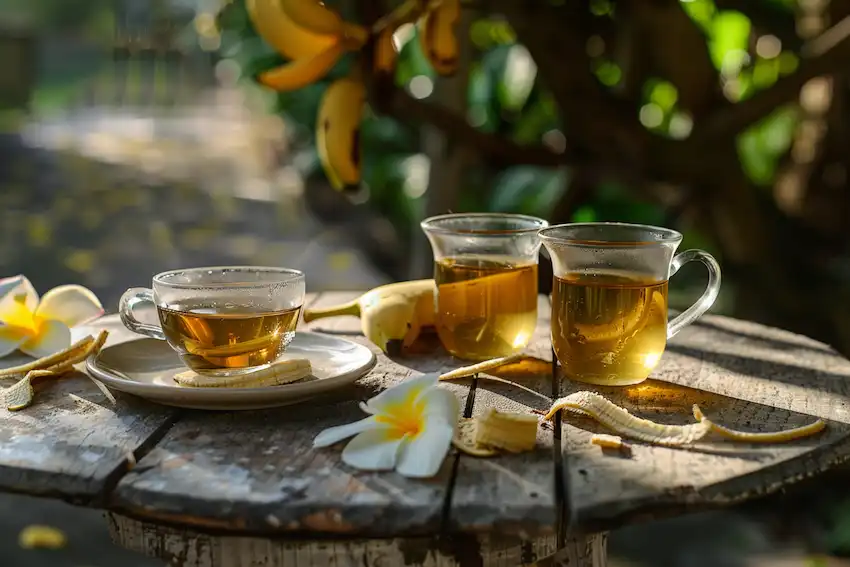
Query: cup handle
{"points": [[131, 298], [702, 305]]}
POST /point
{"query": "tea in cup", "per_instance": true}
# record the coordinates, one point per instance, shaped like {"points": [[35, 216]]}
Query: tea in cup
{"points": [[221, 321], [485, 268], [609, 298]]}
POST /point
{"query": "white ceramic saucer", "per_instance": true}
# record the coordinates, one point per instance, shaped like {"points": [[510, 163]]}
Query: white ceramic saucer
{"points": [[145, 367]]}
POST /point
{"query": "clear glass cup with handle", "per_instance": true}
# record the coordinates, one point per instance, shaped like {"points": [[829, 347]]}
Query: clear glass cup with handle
{"points": [[609, 298], [485, 268], [221, 321]]}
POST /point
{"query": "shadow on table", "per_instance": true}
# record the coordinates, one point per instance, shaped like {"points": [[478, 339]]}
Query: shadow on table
{"points": [[792, 374], [769, 342]]}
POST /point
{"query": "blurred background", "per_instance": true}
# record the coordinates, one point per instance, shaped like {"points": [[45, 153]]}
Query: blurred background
{"points": [[134, 139]]}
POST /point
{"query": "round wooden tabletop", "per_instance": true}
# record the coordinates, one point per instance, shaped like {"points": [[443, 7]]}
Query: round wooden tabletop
{"points": [[176, 481]]}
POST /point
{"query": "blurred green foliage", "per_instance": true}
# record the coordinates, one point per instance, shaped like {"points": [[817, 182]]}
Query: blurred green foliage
{"points": [[506, 98]]}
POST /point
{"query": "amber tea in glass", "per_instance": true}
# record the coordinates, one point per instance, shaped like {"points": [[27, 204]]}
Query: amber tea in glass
{"points": [[609, 298], [608, 325], [209, 337], [487, 308], [485, 268], [221, 321]]}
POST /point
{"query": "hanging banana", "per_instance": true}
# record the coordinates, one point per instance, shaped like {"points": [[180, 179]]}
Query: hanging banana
{"points": [[313, 15], [385, 52], [278, 30], [438, 38], [338, 131], [299, 73]]}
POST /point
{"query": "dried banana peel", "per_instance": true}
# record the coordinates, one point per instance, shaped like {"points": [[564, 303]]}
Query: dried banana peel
{"points": [[496, 432], [278, 374], [771, 437], [465, 371], [57, 358], [512, 432], [464, 439], [621, 421], [608, 441], [22, 394]]}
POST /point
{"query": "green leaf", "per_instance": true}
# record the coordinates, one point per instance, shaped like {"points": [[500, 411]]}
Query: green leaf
{"points": [[757, 163], [539, 117], [664, 94], [526, 189], [412, 62], [701, 11], [730, 33], [517, 78]]}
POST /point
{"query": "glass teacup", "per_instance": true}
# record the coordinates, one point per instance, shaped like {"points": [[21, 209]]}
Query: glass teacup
{"points": [[221, 321], [609, 298], [485, 267]]}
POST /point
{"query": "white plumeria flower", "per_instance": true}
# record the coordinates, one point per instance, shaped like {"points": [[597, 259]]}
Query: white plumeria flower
{"points": [[41, 327], [410, 429]]}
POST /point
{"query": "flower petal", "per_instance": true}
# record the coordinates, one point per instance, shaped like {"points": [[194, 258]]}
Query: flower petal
{"points": [[424, 454], [402, 396], [10, 339], [439, 403], [18, 304], [22, 292], [52, 337], [374, 450], [70, 304], [333, 435], [8, 284]]}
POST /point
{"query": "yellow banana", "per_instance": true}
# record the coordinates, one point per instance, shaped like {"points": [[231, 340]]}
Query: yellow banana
{"points": [[437, 36], [299, 73], [338, 131], [313, 15], [279, 31], [385, 52], [392, 315]]}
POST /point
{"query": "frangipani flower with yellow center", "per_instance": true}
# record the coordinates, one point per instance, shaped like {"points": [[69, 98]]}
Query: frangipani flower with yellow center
{"points": [[410, 429], [37, 326]]}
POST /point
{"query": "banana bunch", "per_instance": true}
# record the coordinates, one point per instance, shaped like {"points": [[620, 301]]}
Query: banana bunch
{"points": [[392, 316], [314, 38]]}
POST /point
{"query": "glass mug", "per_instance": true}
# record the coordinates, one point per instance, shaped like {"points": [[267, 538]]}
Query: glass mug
{"points": [[221, 321], [485, 267], [609, 298]]}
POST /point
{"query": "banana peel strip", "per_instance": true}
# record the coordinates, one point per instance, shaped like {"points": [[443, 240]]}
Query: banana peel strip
{"points": [[621, 421], [465, 371], [278, 374], [22, 394], [47, 361], [771, 437]]}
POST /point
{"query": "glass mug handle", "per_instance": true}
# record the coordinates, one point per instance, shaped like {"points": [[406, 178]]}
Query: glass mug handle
{"points": [[131, 298], [708, 297]]}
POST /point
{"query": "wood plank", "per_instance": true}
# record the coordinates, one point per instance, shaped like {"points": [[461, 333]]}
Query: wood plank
{"points": [[257, 471], [73, 443], [742, 375], [189, 548], [514, 493]]}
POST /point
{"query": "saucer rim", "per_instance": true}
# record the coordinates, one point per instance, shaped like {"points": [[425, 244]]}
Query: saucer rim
{"points": [[307, 389]]}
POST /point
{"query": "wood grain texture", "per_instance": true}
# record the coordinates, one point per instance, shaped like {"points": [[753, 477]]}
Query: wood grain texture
{"points": [[744, 376], [187, 548], [257, 471], [73, 443]]}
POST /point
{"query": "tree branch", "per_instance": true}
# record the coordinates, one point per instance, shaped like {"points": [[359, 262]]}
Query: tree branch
{"points": [[402, 106], [823, 55]]}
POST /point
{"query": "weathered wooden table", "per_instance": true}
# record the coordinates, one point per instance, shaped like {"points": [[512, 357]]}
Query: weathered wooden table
{"points": [[247, 488]]}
